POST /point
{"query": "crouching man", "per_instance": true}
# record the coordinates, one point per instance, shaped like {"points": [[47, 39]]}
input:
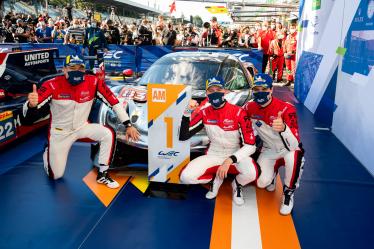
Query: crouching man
{"points": [[227, 126], [276, 124], [70, 98]]}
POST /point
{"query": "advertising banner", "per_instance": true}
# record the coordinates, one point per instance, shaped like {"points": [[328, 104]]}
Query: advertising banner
{"points": [[167, 156]]}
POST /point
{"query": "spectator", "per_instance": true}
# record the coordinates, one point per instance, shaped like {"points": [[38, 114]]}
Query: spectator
{"points": [[75, 33], [22, 32], [58, 33], [44, 33], [111, 33], [144, 34], [7, 31]]}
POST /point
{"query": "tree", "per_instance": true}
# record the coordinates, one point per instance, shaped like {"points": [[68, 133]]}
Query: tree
{"points": [[197, 21]]}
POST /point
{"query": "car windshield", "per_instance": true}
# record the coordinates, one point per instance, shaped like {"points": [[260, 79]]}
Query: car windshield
{"points": [[181, 71]]}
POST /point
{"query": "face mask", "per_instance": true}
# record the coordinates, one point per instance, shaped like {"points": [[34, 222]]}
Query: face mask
{"points": [[75, 77], [261, 97], [93, 25], [75, 25], [257, 28], [280, 37], [216, 99], [264, 28], [292, 31], [272, 26]]}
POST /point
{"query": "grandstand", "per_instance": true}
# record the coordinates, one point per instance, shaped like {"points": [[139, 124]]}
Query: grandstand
{"points": [[127, 11]]}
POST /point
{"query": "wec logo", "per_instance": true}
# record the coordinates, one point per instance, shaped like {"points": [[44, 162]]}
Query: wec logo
{"points": [[113, 55], [159, 95], [169, 153]]}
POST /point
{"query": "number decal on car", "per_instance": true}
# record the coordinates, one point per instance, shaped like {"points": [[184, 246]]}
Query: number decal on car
{"points": [[7, 126]]}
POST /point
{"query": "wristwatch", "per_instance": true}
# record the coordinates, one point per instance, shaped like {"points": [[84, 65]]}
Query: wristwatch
{"points": [[128, 125]]}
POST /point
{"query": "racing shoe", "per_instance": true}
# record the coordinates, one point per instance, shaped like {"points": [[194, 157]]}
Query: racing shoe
{"points": [[287, 201], [271, 186], [104, 178], [214, 187], [237, 193]]}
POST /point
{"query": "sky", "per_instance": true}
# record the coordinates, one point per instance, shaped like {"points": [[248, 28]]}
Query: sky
{"points": [[187, 8]]}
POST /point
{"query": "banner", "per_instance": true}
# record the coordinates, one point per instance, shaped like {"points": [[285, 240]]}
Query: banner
{"points": [[167, 156], [137, 58]]}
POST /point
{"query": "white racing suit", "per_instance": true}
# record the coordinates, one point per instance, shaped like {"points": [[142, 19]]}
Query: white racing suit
{"points": [[277, 145], [69, 110], [227, 129]]}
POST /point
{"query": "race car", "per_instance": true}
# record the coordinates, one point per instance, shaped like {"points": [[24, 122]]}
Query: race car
{"points": [[18, 72], [190, 68]]}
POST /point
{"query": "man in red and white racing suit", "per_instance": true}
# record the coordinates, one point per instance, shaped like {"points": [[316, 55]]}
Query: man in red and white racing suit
{"points": [[70, 98], [227, 127], [275, 122]]}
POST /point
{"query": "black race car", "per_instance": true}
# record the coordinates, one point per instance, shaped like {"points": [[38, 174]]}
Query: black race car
{"points": [[18, 72]]}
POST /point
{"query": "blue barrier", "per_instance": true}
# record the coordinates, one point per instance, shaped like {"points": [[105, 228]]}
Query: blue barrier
{"points": [[138, 58]]}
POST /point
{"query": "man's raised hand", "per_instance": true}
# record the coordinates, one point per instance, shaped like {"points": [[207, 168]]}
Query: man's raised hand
{"points": [[278, 124], [33, 97]]}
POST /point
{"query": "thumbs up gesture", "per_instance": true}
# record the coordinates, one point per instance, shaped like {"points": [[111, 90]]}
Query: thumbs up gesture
{"points": [[33, 97], [278, 124], [192, 105]]}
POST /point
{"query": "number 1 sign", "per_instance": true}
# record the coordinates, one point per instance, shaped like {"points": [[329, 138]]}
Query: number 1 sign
{"points": [[167, 156]]}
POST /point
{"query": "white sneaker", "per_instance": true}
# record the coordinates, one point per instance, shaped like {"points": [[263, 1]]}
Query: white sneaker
{"points": [[272, 185], [237, 193], [287, 201], [215, 185], [104, 178]]}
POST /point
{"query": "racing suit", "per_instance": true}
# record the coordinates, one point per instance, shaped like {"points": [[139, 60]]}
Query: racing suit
{"points": [[265, 37], [69, 110], [290, 45], [277, 57], [276, 145], [226, 128]]}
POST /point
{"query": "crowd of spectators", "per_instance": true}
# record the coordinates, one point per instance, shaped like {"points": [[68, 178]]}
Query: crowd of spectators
{"points": [[277, 42], [23, 28]]}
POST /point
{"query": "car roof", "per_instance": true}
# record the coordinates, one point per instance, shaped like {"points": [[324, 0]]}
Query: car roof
{"points": [[209, 56]]}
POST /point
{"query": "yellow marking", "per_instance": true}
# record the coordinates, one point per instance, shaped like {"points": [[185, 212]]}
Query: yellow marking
{"points": [[140, 182]]}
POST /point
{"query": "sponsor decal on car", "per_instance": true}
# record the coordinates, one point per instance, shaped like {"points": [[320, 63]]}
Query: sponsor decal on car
{"points": [[37, 58]]}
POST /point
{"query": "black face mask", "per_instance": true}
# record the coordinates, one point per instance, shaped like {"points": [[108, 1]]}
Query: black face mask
{"points": [[75, 77], [261, 97], [216, 99]]}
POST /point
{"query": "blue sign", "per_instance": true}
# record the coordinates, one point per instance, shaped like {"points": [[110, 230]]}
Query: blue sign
{"points": [[360, 38]]}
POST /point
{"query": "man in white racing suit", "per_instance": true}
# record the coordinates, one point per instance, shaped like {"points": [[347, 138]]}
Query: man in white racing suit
{"points": [[275, 122], [231, 143], [70, 98]]}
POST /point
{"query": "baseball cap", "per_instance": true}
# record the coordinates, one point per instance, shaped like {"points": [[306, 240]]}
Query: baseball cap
{"points": [[263, 80], [213, 18], [72, 60], [215, 82]]}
